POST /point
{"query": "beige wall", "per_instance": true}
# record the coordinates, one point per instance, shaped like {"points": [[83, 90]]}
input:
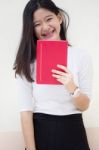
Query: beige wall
{"points": [[14, 140]]}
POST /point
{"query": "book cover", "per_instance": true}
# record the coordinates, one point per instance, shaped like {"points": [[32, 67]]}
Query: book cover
{"points": [[48, 55]]}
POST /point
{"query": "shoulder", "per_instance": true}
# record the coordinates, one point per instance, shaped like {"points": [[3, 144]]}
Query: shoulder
{"points": [[80, 54], [78, 50]]}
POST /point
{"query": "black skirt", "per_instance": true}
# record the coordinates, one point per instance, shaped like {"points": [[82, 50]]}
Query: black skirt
{"points": [[59, 132]]}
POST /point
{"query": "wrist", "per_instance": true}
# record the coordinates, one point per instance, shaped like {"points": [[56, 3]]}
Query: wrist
{"points": [[75, 93], [71, 87]]}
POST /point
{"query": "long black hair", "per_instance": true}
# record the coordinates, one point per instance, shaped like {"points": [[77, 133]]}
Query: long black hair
{"points": [[27, 48]]}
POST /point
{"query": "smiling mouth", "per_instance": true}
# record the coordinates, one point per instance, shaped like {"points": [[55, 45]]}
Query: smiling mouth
{"points": [[48, 35]]}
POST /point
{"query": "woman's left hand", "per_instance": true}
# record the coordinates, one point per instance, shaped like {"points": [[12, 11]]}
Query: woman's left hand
{"points": [[65, 77]]}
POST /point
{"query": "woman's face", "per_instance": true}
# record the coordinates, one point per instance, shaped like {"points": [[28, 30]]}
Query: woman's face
{"points": [[46, 24]]}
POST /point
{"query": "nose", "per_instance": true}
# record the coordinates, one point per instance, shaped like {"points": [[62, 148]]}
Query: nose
{"points": [[45, 27]]}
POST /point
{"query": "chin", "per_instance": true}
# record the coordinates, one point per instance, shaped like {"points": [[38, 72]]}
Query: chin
{"points": [[53, 38]]}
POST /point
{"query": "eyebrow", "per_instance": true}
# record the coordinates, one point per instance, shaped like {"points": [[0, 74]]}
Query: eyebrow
{"points": [[45, 17]]}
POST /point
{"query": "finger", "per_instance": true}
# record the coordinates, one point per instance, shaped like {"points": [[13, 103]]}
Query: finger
{"points": [[64, 68], [60, 80], [58, 72], [56, 76]]}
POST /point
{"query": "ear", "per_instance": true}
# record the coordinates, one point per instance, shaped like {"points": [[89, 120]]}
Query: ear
{"points": [[59, 18]]}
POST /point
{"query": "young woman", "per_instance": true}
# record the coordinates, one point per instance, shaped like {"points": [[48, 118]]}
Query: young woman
{"points": [[51, 115]]}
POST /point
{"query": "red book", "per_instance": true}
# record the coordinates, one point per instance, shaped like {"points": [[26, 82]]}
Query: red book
{"points": [[48, 55]]}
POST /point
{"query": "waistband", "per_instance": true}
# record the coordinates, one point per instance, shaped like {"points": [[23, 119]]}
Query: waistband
{"points": [[57, 117]]}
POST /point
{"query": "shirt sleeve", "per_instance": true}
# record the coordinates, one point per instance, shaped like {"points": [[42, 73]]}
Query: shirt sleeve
{"points": [[85, 75], [24, 94]]}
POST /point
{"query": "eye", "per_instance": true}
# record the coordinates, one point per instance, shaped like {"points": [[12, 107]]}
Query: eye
{"points": [[36, 25], [49, 19]]}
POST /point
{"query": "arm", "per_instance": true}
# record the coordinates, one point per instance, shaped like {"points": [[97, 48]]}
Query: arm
{"points": [[81, 101], [28, 129], [85, 80], [25, 98]]}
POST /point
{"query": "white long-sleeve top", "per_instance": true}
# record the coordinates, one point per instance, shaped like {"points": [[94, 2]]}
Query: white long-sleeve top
{"points": [[55, 99]]}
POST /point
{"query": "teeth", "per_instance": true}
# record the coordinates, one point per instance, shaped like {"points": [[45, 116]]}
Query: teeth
{"points": [[48, 33]]}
